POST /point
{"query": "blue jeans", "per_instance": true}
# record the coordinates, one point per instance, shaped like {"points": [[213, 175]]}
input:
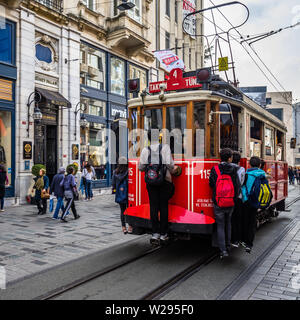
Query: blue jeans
{"points": [[2, 203], [59, 205], [88, 189]]}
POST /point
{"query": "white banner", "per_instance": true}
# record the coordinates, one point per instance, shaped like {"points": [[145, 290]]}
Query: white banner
{"points": [[190, 23], [169, 60]]}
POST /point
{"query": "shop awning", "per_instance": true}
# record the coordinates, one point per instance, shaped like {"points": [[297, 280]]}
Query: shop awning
{"points": [[54, 97]]}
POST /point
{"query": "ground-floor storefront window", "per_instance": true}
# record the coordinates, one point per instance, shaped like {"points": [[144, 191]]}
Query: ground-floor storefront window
{"points": [[6, 142]]}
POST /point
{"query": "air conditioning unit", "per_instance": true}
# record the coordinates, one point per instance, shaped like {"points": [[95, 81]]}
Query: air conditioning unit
{"points": [[84, 68], [93, 72]]}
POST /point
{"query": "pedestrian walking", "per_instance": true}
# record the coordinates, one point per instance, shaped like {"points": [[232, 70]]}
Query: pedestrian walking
{"points": [[236, 219], [58, 191], [157, 163], [295, 171], [3, 182], [254, 176], [224, 181], [88, 175], [42, 194], [291, 175], [70, 193], [120, 187], [298, 179]]}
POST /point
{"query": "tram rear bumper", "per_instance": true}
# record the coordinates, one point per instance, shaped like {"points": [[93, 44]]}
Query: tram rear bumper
{"points": [[180, 220]]}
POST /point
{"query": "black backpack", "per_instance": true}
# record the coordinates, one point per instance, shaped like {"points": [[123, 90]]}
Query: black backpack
{"points": [[155, 173]]}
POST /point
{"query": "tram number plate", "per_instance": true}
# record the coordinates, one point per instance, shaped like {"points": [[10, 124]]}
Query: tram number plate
{"points": [[204, 174]]}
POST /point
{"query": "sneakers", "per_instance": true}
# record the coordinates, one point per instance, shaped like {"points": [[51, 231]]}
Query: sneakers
{"points": [[2, 210], [243, 244], [235, 244], [164, 237], [155, 239], [224, 254], [248, 249], [77, 217]]}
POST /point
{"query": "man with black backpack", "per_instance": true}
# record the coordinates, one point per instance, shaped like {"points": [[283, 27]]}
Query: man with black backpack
{"points": [[224, 181], [256, 195], [157, 163]]}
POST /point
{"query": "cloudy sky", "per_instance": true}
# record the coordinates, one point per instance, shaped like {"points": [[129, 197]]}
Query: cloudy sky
{"points": [[280, 52]]}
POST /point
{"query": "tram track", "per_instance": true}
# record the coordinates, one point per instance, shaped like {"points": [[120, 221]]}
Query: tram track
{"points": [[174, 281], [84, 280]]}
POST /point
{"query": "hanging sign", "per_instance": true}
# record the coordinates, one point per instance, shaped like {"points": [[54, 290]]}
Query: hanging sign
{"points": [[27, 150], [169, 60], [75, 151], [223, 64], [175, 82], [189, 6]]}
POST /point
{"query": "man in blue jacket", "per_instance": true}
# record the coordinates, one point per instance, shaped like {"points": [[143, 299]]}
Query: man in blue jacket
{"points": [[249, 212], [58, 191]]}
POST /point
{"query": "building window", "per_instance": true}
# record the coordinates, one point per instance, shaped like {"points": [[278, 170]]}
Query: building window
{"points": [[168, 8], [7, 35], [5, 142], [268, 101], [136, 12], [92, 67], [277, 112], [167, 40], [176, 11], [138, 73], [117, 76], [90, 4], [96, 108], [43, 53]]}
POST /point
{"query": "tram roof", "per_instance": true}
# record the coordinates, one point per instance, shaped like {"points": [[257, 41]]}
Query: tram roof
{"points": [[204, 95]]}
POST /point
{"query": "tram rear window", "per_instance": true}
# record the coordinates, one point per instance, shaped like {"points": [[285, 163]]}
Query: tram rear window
{"points": [[153, 119]]}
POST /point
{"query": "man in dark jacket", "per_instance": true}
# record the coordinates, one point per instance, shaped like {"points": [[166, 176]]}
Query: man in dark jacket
{"points": [[223, 215], [58, 191]]}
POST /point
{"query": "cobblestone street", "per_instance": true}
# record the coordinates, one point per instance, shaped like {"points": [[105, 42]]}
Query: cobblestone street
{"points": [[31, 243], [278, 276]]}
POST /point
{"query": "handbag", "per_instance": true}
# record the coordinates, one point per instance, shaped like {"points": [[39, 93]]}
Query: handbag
{"points": [[45, 194], [75, 194]]}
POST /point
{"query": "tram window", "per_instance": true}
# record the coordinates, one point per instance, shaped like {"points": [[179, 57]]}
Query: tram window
{"points": [[255, 129], [199, 130], [176, 124], [279, 145], [153, 119], [269, 141], [229, 133]]}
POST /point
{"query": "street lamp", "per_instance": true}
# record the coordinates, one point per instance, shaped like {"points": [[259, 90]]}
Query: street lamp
{"points": [[125, 5], [37, 115], [83, 121]]}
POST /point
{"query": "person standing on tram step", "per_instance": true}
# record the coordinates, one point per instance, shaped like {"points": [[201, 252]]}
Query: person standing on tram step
{"points": [[236, 219], [120, 187], [3, 182], [224, 181], [249, 212], [88, 174], [69, 186], [41, 186], [58, 191], [158, 164]]}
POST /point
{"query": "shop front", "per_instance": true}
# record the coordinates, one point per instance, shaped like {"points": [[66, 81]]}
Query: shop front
{"points": [[8, 76], [104, 83]]}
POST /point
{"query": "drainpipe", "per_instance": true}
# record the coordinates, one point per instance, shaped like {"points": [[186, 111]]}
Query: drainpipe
{"points": [[157, 28]]}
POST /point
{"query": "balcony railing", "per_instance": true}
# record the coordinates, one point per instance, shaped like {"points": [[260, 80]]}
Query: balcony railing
{"points": [[56, 5]]}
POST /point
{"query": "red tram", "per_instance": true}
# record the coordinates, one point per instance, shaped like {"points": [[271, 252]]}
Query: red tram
{"points": [[213, 118]]}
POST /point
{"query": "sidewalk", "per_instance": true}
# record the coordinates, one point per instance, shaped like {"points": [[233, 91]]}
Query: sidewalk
{"points": [[278, 275], [31, 243]]}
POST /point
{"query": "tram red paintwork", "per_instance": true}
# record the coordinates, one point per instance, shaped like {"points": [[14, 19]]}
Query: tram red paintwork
{"points": [[191, 207]]}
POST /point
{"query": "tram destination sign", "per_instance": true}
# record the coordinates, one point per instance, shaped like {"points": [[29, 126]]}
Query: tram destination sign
{"points": [[175, 82]]}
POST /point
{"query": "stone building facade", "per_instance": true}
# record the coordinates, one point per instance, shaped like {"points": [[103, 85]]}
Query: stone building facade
{"points": [[74, 58]]}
